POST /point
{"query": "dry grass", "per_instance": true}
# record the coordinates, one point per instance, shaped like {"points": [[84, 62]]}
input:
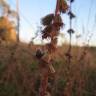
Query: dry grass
{"points": [[19, 73]]}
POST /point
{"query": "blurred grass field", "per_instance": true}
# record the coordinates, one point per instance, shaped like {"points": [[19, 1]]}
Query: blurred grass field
{"points": [[19, 72]]}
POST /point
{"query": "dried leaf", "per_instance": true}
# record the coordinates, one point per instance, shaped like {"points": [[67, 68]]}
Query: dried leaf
{"points": [[46, 32], [39, 54], [58, 21], [47, 20]]}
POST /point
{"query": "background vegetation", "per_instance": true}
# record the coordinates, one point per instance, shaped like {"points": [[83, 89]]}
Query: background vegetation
{"points": [[20, 74]]}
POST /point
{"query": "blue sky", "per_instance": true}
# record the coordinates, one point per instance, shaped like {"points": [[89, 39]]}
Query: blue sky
{"points": [[31, 11]]}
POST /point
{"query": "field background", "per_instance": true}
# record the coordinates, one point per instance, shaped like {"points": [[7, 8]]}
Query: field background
{"points": [[20, 74]]}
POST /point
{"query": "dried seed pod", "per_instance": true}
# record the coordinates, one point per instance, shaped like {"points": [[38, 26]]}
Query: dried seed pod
{"points": [[63, 6], [39, 53], [72, 1], [46, 31], [47, 20], [51, 68], [70, 31], [58, 21], [49, 33], [71, 15]]}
